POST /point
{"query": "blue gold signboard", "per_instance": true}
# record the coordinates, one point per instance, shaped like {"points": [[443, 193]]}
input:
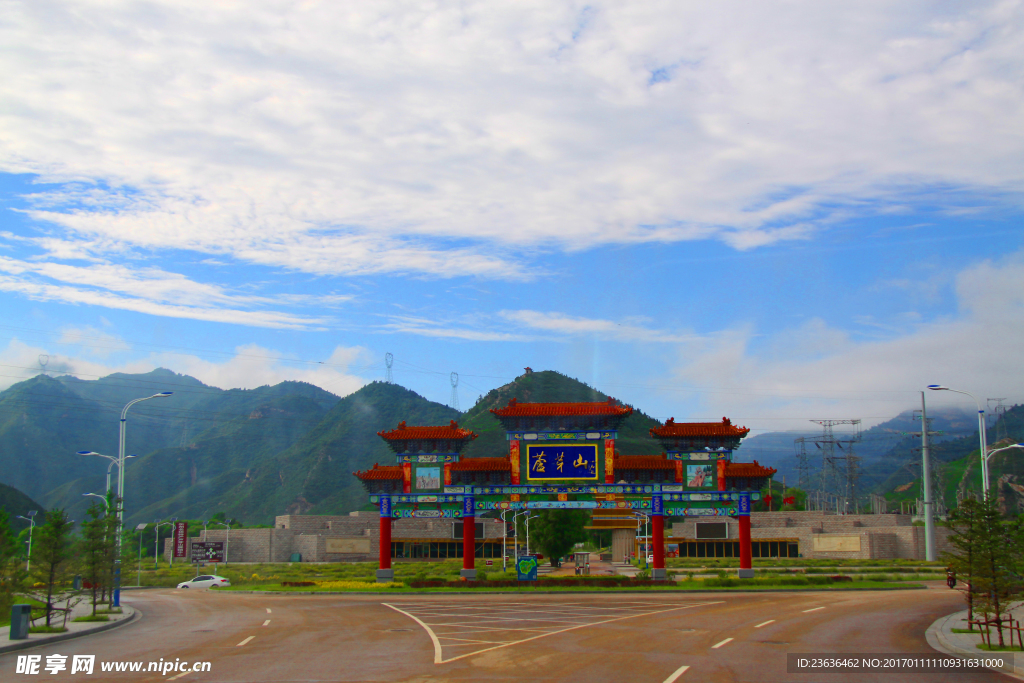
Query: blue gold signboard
{"points": [[545, 462]]}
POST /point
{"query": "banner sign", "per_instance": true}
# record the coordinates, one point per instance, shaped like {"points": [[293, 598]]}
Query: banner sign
{"points": [[468, 507], [700, 512], [560, 436], [432, 458], [557, 461], [699, 455], [744, 505], [385, 506], [406, 513], [656, 506], [180, 539], [207, 551], [526, 568]]}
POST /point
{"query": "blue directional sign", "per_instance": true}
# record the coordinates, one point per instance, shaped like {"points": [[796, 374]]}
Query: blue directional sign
{"points": [[526, 568]]}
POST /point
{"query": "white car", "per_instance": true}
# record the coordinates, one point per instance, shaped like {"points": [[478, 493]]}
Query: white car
{"points": [[205, 581]]}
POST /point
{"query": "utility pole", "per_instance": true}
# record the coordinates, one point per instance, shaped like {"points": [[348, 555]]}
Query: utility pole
{"points": [[929, 500]]}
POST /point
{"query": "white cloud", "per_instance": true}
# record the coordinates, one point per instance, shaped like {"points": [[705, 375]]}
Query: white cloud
{"points": [[387, 137], [566, 326], [249, 367], [152, 291], [817, 371]]}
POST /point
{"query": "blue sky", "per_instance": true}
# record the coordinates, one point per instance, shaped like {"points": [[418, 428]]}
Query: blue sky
{"points": [[776, 213]]}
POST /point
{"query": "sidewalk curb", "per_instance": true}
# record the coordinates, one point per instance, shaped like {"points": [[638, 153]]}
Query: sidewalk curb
{"points": [[937, 639], [538, 591], [16, 645]]}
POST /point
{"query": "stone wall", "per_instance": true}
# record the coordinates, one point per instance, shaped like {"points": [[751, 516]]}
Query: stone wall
{"points": [[310, 536], [873, 536]]}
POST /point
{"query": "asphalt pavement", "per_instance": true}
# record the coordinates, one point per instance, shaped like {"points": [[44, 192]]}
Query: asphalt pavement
{"points": [[590, 637]]}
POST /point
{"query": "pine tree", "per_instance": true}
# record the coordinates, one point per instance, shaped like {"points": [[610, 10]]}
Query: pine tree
{"points": [[52, 553], [964, 524], [12, 572], [94, 549], [997, 548]]}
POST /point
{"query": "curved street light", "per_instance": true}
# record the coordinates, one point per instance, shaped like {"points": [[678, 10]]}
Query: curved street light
{"points": [[31, 519], [103, 498], [982, 438], [112, 459], [989, 455], [119, 510]]}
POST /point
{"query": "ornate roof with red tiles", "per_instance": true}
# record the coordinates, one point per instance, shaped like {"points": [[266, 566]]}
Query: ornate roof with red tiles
{"points": [[643, 462], [516, 409], [748, 469], [380, 472], [449, 431], [482, 465], [725, 428]]}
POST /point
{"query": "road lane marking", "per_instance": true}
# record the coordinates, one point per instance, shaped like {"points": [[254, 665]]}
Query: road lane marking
{"points": [[267, 622], [765, 623], [268, 610], [676, 674], [813, 609], [439, 658], [245, 641], [718, 645], [433, 636]]}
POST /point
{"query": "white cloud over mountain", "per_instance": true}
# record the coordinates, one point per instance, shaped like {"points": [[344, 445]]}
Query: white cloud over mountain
{"points": [[394, 137]]}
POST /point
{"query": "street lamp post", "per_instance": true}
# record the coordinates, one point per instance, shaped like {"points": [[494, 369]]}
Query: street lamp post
{"points": [[989, 455], [120, 490], [156, 544], [112, 459], [104, 498], [982, 437], [227, 547], [926, 477], [31, 519], [140, 528]]}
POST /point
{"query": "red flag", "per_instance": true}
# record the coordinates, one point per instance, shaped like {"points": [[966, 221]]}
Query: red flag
{"points": [[768, 500], [789, 500]]}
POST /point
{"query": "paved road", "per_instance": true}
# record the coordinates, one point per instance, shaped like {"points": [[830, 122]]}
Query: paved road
{"points": [[584, 637]]}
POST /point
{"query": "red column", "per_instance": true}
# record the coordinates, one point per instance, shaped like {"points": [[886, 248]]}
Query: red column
{"points": [[745, 555], [513, 459], [385, 543], [385, 572], [468, 543], [609, 461], [658, 540], [406, 477]]}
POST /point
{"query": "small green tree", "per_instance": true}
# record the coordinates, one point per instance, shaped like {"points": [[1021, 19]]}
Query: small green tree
{"points": [[964, 523], [95, 549], [12, 571], [555, 532], [997, 556], [51, 554]]}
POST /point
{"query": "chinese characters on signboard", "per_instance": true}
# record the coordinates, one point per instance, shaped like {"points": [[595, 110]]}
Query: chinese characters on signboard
{"points": [[180, 539], [555, 461]]}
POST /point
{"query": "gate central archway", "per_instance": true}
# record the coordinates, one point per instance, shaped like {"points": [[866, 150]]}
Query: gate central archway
{"points": [[563, 456]]}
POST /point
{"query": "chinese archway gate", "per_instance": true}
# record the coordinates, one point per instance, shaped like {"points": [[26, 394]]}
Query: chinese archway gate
{"points": [[562, 456]]}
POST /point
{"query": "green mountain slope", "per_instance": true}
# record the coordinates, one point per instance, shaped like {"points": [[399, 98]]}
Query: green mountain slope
{"points": [[14, 503], [315, 474]]}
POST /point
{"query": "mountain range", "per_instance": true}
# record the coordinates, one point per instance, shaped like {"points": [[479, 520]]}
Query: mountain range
{"points": [[292, 447]]}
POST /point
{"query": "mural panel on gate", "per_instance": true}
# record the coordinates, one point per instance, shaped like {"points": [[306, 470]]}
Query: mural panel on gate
{"points": [[700, 476], [555, 461], [428, 478]]}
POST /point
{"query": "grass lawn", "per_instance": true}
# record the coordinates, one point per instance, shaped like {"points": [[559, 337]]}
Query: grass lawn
{"points": [[89, 617], [5, 617]]}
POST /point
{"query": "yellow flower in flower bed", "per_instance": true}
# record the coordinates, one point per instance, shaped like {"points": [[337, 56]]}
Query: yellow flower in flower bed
{"points": [[356, 585]]}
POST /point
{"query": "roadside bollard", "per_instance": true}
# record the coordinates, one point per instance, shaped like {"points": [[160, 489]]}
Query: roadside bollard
{"points": [[21, 616]]}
